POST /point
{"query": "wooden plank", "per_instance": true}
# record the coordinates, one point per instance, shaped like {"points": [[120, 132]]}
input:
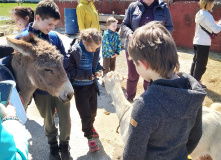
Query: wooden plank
{"points": [[104, 17]]}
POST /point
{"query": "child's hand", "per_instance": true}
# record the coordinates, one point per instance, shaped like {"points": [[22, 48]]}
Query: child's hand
{"points": [[92, 77], [9, 110], [99, 73], [115, 55]]}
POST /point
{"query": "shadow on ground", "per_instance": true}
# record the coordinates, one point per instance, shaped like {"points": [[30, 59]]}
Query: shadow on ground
{"points": [[96, 155], [38, 140], [215, 97]]}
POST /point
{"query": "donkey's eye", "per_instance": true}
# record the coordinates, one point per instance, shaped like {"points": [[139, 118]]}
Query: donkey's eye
{"points": [[48, 70]]}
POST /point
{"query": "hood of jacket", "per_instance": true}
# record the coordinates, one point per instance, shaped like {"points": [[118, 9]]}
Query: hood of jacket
{"points": [[200, 16], [86, 1], [179, 97]]}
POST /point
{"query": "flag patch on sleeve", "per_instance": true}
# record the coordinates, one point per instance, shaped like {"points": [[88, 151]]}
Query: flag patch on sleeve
{"points": [[133, 122]]}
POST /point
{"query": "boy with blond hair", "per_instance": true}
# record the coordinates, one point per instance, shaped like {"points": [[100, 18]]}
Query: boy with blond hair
{"points": [[166, 121], [111, 45], [47, 16]]}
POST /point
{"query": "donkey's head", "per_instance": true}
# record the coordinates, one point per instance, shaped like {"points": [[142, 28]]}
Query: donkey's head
{"points": [[38, 64]]}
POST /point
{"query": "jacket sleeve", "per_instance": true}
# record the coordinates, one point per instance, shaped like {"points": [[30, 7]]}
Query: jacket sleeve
{"points": [[107, 49], [5, 50], [210, 23], [99, 66], [118, 44], [19, 134], [75, 72], [61, 48], [168, 23], [195, 133], [140, 128], [80, 17], [126, 24]]}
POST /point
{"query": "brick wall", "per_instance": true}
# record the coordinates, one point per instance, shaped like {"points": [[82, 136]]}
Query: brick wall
{"points": [[182, 12]]}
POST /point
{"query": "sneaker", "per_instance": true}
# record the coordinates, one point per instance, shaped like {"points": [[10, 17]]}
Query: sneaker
{"points": [[54, 152], [95, 134], [202, 85], [130, 100], [92, 145], [65, 150]]}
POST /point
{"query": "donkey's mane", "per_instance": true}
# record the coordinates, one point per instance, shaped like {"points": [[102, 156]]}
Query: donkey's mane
{"points": [[42, 47]]}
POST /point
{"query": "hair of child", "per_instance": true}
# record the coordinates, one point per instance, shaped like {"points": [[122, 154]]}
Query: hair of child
{"points": [[23, 12], [154, 44], [206, 4], [47, 9], [111, 20], [91, 35]]}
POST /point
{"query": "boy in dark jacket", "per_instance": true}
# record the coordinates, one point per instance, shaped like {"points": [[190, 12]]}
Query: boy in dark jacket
{"points": [[47, 17], [166, 121]]}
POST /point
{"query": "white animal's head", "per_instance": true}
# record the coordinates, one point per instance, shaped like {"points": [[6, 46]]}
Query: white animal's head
{"points": [[112, 78], [39, 64]]}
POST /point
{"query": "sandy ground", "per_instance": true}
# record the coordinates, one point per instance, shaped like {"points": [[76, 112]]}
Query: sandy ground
{"points": [[110, 143]]}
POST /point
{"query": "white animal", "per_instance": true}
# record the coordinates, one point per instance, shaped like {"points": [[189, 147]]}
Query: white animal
{"points": [[210, 142], [123, 108]]}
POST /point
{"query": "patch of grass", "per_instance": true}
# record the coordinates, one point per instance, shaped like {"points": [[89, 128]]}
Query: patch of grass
{"points": [[5, 8], [7, 22]]}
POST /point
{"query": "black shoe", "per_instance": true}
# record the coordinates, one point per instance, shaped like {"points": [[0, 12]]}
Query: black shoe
{"points": [[65, 150], [54, 152]]}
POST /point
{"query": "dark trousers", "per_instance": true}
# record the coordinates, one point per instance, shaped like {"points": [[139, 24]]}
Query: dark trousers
{"points": [[46, 105], [132, 79], [86, 103], [109, 64], [200, 60]]}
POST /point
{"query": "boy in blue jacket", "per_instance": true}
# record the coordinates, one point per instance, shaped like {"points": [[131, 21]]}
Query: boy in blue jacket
{"points": [[47, 16], [111, 45], [166, 120]]}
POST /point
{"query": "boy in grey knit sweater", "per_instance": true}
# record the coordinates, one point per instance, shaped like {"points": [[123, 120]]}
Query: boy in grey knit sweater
{"points": [[166, 121]]}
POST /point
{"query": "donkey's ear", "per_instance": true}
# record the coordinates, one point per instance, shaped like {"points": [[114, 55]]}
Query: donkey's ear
{"points": [[23, 47]]}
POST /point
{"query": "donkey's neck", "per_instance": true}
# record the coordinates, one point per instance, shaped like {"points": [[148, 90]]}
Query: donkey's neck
{"points": [[20, 65], [119, 99], [26, 89]]}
